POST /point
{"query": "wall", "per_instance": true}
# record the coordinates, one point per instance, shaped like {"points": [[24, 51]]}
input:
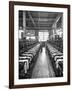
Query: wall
{"points": [[4, 45]]}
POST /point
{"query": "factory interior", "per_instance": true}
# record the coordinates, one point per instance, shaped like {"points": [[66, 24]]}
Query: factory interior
{"points": [[40, 44]]}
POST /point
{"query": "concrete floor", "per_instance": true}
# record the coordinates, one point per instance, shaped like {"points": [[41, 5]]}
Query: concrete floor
{"points": [[43, 67]]}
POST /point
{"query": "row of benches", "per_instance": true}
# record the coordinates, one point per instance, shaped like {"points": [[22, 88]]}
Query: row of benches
{"points": [[25, 45], [58, 44], [57, 58], [26, 60]]}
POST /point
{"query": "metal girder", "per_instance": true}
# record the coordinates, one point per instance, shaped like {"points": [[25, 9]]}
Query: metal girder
{"points": [[57, 18], [31, 19], [41, 19], [38, 28]]}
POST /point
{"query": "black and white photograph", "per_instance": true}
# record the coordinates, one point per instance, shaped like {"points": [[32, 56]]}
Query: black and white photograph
{"points": [[39, 44]]}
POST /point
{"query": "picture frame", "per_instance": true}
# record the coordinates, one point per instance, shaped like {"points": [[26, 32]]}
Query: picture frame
{"points": [[12, 40]]}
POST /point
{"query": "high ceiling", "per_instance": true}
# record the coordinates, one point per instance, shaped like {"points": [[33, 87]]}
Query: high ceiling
{"points": [[36, 20], [40, 20]]}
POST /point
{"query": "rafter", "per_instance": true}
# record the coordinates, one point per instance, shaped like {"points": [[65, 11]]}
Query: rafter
{"points": [[31, 19], [41, 19], [56, 20]]}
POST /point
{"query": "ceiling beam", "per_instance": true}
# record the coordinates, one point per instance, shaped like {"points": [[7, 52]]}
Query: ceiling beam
{"points": [[38, 20], [31, 19], [42, 22], [56, 20], [42, 19], [38, 28]]}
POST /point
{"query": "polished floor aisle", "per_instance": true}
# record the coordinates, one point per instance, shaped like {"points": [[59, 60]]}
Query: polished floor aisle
{"points": [[43, 67]]}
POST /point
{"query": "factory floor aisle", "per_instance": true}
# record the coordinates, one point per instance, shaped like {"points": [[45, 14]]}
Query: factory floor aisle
{"points": [[43, 67]]}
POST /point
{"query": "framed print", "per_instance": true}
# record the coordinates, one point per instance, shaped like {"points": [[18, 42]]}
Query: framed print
{"points": [[39, 44]]}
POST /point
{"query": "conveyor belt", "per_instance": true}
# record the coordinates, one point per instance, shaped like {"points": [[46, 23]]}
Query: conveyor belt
{"points": [[43, 67]]}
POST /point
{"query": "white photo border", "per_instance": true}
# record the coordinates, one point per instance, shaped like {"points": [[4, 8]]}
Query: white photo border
{"points": [[18, 81]]}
